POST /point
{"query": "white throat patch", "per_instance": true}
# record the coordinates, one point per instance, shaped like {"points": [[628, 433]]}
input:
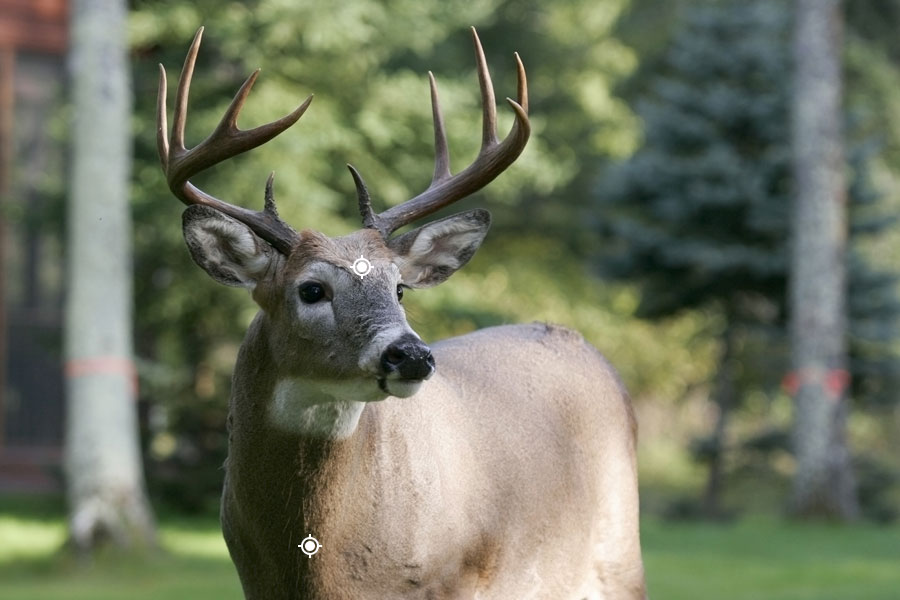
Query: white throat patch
{"points": [[320, 409]]}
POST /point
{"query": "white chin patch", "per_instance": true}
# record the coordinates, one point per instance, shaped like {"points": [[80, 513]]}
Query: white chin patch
{"points": [[400, 388]]}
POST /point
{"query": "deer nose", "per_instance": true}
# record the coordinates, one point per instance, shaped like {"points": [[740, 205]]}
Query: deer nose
{"points": [[409, 358]]}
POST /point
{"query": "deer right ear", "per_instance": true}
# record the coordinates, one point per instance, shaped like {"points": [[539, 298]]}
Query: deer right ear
{"points": [[224, 247], [431, 253]]}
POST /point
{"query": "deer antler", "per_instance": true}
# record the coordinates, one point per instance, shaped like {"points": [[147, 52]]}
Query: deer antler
{"points": [[226, 140], [493, 158]]}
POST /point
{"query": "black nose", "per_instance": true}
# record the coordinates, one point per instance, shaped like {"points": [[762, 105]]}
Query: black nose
{"points": [[409, 357]]}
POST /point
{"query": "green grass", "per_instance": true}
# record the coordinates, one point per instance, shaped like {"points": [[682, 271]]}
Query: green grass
{"points": [[772, 560], [752, 559], [193, 565]]}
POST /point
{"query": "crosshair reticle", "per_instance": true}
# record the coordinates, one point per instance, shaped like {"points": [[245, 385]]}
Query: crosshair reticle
{"points": [[361, 267], [309, 545]]}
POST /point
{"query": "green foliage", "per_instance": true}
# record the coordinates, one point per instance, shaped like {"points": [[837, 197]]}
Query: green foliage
{"points": [[873, 303], [872, 84]]}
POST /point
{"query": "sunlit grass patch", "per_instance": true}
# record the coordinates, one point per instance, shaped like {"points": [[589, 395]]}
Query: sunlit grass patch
{"points": [[193, 565], [29, 538], [200, 543]]}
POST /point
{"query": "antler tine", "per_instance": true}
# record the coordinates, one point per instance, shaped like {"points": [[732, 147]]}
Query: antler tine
{"points": [[521, 84], [488, 102], [225, 141], [369, 218], [521, 128], [181, 92], [494, 157], [441, 149], [269, 198], [162, 125]]}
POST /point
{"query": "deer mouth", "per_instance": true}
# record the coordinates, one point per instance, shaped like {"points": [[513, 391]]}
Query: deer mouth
{"points": [[399, 388]]}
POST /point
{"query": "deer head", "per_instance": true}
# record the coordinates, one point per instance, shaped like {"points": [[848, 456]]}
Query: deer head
{"points": [[333, 305]]}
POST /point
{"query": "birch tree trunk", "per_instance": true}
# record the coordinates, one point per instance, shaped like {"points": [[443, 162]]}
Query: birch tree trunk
{"points": [[824, 484], [105, 478]]}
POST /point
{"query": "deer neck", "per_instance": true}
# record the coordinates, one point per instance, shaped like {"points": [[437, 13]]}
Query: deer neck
{"points": [[313, 483], [304, 424], [309, 408]]}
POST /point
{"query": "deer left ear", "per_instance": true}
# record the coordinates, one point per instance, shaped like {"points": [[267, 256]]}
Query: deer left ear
{"points": [[224, 247], [430, 254]]}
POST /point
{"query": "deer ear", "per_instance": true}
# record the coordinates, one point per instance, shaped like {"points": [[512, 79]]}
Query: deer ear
{"points": [[224, 247], [430, 254]]}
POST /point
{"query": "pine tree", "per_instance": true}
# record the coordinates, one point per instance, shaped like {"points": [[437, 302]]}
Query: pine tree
{"points": [[699, 216]]}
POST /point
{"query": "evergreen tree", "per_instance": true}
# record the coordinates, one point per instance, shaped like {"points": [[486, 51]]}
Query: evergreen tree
{"points": [[700, 213], [699, 216]]}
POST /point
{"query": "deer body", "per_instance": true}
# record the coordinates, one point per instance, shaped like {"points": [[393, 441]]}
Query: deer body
{"points": [[496, 465], [464, 490]]}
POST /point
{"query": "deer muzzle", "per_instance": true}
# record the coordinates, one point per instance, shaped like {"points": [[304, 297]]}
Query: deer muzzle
{"points": [[407, 358]]}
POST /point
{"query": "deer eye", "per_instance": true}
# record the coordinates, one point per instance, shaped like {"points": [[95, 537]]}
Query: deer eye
{"points": [[399, 292], [311, 292]]}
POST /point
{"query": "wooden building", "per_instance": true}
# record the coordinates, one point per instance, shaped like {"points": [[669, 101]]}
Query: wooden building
{"points": [[33, 45]]}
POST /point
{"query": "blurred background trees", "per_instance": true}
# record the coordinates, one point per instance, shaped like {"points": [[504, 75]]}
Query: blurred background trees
{"points": [[651, 211], [698, 216], [706, 202], [659, 160]]}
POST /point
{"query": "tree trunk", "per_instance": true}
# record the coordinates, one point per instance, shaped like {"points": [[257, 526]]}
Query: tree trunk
{"points": [[105, 478], [724, 399], [824, 484]]}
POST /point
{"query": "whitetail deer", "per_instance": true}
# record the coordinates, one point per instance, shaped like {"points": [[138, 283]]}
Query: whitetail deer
{"points": [[495, 465]]}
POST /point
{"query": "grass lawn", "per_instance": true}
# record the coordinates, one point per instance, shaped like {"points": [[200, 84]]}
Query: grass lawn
{"points": [[767, 559], [193, 566], [759, 559]]}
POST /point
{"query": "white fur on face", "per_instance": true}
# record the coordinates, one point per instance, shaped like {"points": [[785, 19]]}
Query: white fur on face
{"points": [[231, 247]]}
